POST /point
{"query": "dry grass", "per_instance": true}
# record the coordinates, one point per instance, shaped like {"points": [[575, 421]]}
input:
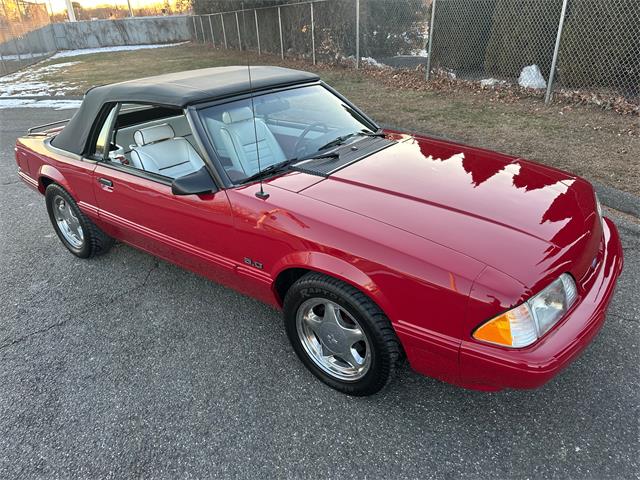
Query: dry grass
{"points": [[597, 144]]}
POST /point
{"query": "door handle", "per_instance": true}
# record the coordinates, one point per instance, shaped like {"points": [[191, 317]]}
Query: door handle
{"points": [[106, 182]]}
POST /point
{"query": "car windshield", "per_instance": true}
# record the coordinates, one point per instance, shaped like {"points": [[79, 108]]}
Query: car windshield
{"points": [[290, 124]]}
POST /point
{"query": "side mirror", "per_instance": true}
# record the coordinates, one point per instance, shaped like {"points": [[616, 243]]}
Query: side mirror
{"points": [[195, 183]]}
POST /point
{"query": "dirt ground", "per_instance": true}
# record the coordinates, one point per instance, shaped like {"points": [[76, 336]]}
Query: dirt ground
{"points": [[597, 144]]}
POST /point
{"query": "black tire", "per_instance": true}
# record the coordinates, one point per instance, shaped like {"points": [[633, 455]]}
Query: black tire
{"points": [[384, 345], [95, 241]]}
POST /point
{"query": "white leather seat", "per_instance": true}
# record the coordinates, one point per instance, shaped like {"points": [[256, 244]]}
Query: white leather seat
{"points": [[239, 140], [158, 151], [215, 127]]}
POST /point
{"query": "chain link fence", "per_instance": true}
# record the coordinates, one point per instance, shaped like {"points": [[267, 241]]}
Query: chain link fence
{"points": [[600, 47], [317, 30], [588, 49], [23, 41], [582, 49]]}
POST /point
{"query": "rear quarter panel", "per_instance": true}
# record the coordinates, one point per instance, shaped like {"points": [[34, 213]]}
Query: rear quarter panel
{"points": [[39, 163]]}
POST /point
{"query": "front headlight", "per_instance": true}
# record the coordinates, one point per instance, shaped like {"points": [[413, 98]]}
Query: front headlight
{"points": [[524, 324]]}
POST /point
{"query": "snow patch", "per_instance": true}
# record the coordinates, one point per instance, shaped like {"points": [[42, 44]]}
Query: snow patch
{"points": [[446, 72], [123, 48], [419, 53], [531, 77], [29, 103], [28, 83], [373, 62], [491, 82], [23, 56]]}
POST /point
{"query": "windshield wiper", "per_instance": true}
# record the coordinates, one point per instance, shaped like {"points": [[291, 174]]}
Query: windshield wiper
{"points": [[340, 140], [379, 133], [280, 166]]}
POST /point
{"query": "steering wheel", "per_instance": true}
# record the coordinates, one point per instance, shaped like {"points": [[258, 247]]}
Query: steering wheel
{"points": [[299, 150]]}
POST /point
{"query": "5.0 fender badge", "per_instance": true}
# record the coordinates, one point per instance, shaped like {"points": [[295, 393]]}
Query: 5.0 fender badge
{"points": [[253, 263]]}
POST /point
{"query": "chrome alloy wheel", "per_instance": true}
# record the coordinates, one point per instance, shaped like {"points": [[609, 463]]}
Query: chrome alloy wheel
{"points": [[333, 339], [67, 222]]}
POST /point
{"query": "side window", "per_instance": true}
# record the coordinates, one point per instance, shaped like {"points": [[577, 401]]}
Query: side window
{"points": [[103, 141], [155, 140]]}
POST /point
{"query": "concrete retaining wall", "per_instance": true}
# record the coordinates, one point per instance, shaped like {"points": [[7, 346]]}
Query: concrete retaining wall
{"points": [[37, 42], [126, 31], [26, 50], [36, 45]]}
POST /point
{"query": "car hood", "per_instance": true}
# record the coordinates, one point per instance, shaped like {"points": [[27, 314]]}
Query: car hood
{"points": [[529, 221]]}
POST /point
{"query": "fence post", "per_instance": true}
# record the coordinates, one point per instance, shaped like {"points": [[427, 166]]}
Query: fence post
{"points": [[313, 36], [42, 49], [195, 28], [204, 38], [15, 44], [213, 38], [224, 32], [280, 27], [357, 33], [430, 48], [552, 73], [54, 36], [5, 70], [255, 14], [27, 39], [238, 28], [16, 47]]}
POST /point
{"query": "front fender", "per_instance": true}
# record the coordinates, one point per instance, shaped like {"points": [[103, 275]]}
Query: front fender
{"points": [[493, 292], [334, 267]]}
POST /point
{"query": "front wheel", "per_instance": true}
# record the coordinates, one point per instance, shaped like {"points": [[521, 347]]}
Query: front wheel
{"points": [[75, 230], [340, 334]]}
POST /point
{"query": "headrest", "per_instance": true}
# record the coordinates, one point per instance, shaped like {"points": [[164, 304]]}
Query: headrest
{"points": [[237, 115], [148, 135]]}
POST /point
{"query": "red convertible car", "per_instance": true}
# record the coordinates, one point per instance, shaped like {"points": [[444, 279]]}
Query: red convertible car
{"points": [[483, 270]]}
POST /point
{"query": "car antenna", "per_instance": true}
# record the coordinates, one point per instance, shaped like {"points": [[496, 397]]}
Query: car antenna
{"points": [[261, 194]]}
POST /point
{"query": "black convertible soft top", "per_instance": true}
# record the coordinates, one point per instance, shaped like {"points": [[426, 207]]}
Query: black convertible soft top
{"points": [[176, 90]]}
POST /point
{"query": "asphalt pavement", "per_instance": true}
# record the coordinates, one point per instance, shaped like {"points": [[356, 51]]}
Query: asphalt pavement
{"points": [[127, 366]]}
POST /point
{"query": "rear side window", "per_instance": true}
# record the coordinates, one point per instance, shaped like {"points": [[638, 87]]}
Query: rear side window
{"points": [[152, 140]]}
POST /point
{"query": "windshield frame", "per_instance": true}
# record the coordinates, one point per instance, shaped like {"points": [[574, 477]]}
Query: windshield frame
{"points": [[200, 130]]}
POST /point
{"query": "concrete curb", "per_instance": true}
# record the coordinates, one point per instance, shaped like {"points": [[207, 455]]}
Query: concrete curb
{"points": [[625, 225], [612, 197]]}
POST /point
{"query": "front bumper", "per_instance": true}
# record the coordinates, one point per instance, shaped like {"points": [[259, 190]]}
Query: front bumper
{"points": [[490, 368]]}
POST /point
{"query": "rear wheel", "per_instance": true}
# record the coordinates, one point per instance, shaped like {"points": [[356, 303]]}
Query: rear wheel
{"points": [[75, 230], [340, 334]]}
